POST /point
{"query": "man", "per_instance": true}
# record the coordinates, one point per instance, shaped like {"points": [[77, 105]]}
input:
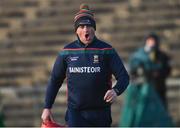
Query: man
{"points": [[152, 63], [88, 63]]}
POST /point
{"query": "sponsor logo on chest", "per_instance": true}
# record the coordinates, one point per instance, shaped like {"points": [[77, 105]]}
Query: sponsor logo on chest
{"points": [[74, 58], [84, 69]]}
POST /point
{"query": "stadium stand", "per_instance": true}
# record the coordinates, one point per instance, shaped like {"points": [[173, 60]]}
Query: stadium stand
{"points": [[32, 32]]}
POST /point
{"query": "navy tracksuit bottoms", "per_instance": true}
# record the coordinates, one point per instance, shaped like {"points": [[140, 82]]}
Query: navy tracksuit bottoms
{"points": [[89, 118]]}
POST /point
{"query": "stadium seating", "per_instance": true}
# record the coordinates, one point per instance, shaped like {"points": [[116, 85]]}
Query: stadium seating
{"points": [[32, 32]]}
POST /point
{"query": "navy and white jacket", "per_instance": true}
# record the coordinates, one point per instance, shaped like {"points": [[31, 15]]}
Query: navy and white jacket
{"points": [[88, 70]]}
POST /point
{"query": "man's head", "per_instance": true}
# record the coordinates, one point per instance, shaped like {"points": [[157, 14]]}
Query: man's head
{"points": [[84, 24], [151, 42]]}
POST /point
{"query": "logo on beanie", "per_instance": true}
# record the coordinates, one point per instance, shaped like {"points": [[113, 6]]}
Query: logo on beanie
{"points": [[85, 22]]}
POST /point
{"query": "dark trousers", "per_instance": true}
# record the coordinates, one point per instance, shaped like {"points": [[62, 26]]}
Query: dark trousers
{"points": [[89, 118]]}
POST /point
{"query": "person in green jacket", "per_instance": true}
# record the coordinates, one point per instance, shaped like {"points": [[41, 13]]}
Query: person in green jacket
{"points": [[145, 100], [154, 64]]}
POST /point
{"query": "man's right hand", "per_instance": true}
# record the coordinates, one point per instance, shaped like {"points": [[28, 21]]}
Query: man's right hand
{"points": [[46, 115]]}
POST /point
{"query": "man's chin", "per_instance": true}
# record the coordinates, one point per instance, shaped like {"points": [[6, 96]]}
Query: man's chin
{"points": [[89, 41]]}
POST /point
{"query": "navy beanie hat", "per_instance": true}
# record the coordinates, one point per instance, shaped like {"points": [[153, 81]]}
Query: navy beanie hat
{"points": [[85, 16]]}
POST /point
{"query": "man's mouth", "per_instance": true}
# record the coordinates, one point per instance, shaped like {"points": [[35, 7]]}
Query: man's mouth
{"points": [[87, 36]]}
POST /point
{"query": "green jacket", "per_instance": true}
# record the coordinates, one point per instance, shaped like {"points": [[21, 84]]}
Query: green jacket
{"points": [[143, 108], [142, 104], [155, 72]]}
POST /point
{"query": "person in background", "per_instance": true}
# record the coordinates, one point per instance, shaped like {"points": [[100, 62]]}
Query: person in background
{"points": [[88, 64], [155, 65], [145, 103]]}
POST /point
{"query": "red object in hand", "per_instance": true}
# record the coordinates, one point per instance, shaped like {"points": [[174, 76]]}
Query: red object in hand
{"points": [[49, 124]]}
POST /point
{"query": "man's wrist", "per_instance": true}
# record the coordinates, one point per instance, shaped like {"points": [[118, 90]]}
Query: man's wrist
{"points": [[116, 91]]}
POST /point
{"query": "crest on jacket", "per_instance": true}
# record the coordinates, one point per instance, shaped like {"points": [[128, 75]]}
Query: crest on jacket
{"points": [[96, 59]]}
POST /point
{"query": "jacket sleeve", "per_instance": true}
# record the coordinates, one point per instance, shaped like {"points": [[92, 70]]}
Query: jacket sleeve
{"points": [[58, 75], [120, 73]]}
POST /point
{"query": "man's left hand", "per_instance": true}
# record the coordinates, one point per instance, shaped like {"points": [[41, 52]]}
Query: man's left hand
{"points": [[110, 96]]}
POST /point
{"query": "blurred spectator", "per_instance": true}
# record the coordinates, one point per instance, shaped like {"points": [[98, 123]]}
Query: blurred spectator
{"points": [[145, 100], [153, 63]]}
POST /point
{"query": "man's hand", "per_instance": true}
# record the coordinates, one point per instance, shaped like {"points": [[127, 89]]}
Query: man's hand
{"points": [[46, 115], [110, 96]]}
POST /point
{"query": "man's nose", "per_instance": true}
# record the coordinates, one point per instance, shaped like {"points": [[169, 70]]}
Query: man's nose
{"points": [[85, 27]]}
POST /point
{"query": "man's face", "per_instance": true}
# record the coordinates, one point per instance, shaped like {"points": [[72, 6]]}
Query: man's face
{"points": [[85, 33], [150, 42], [151, 45]]}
